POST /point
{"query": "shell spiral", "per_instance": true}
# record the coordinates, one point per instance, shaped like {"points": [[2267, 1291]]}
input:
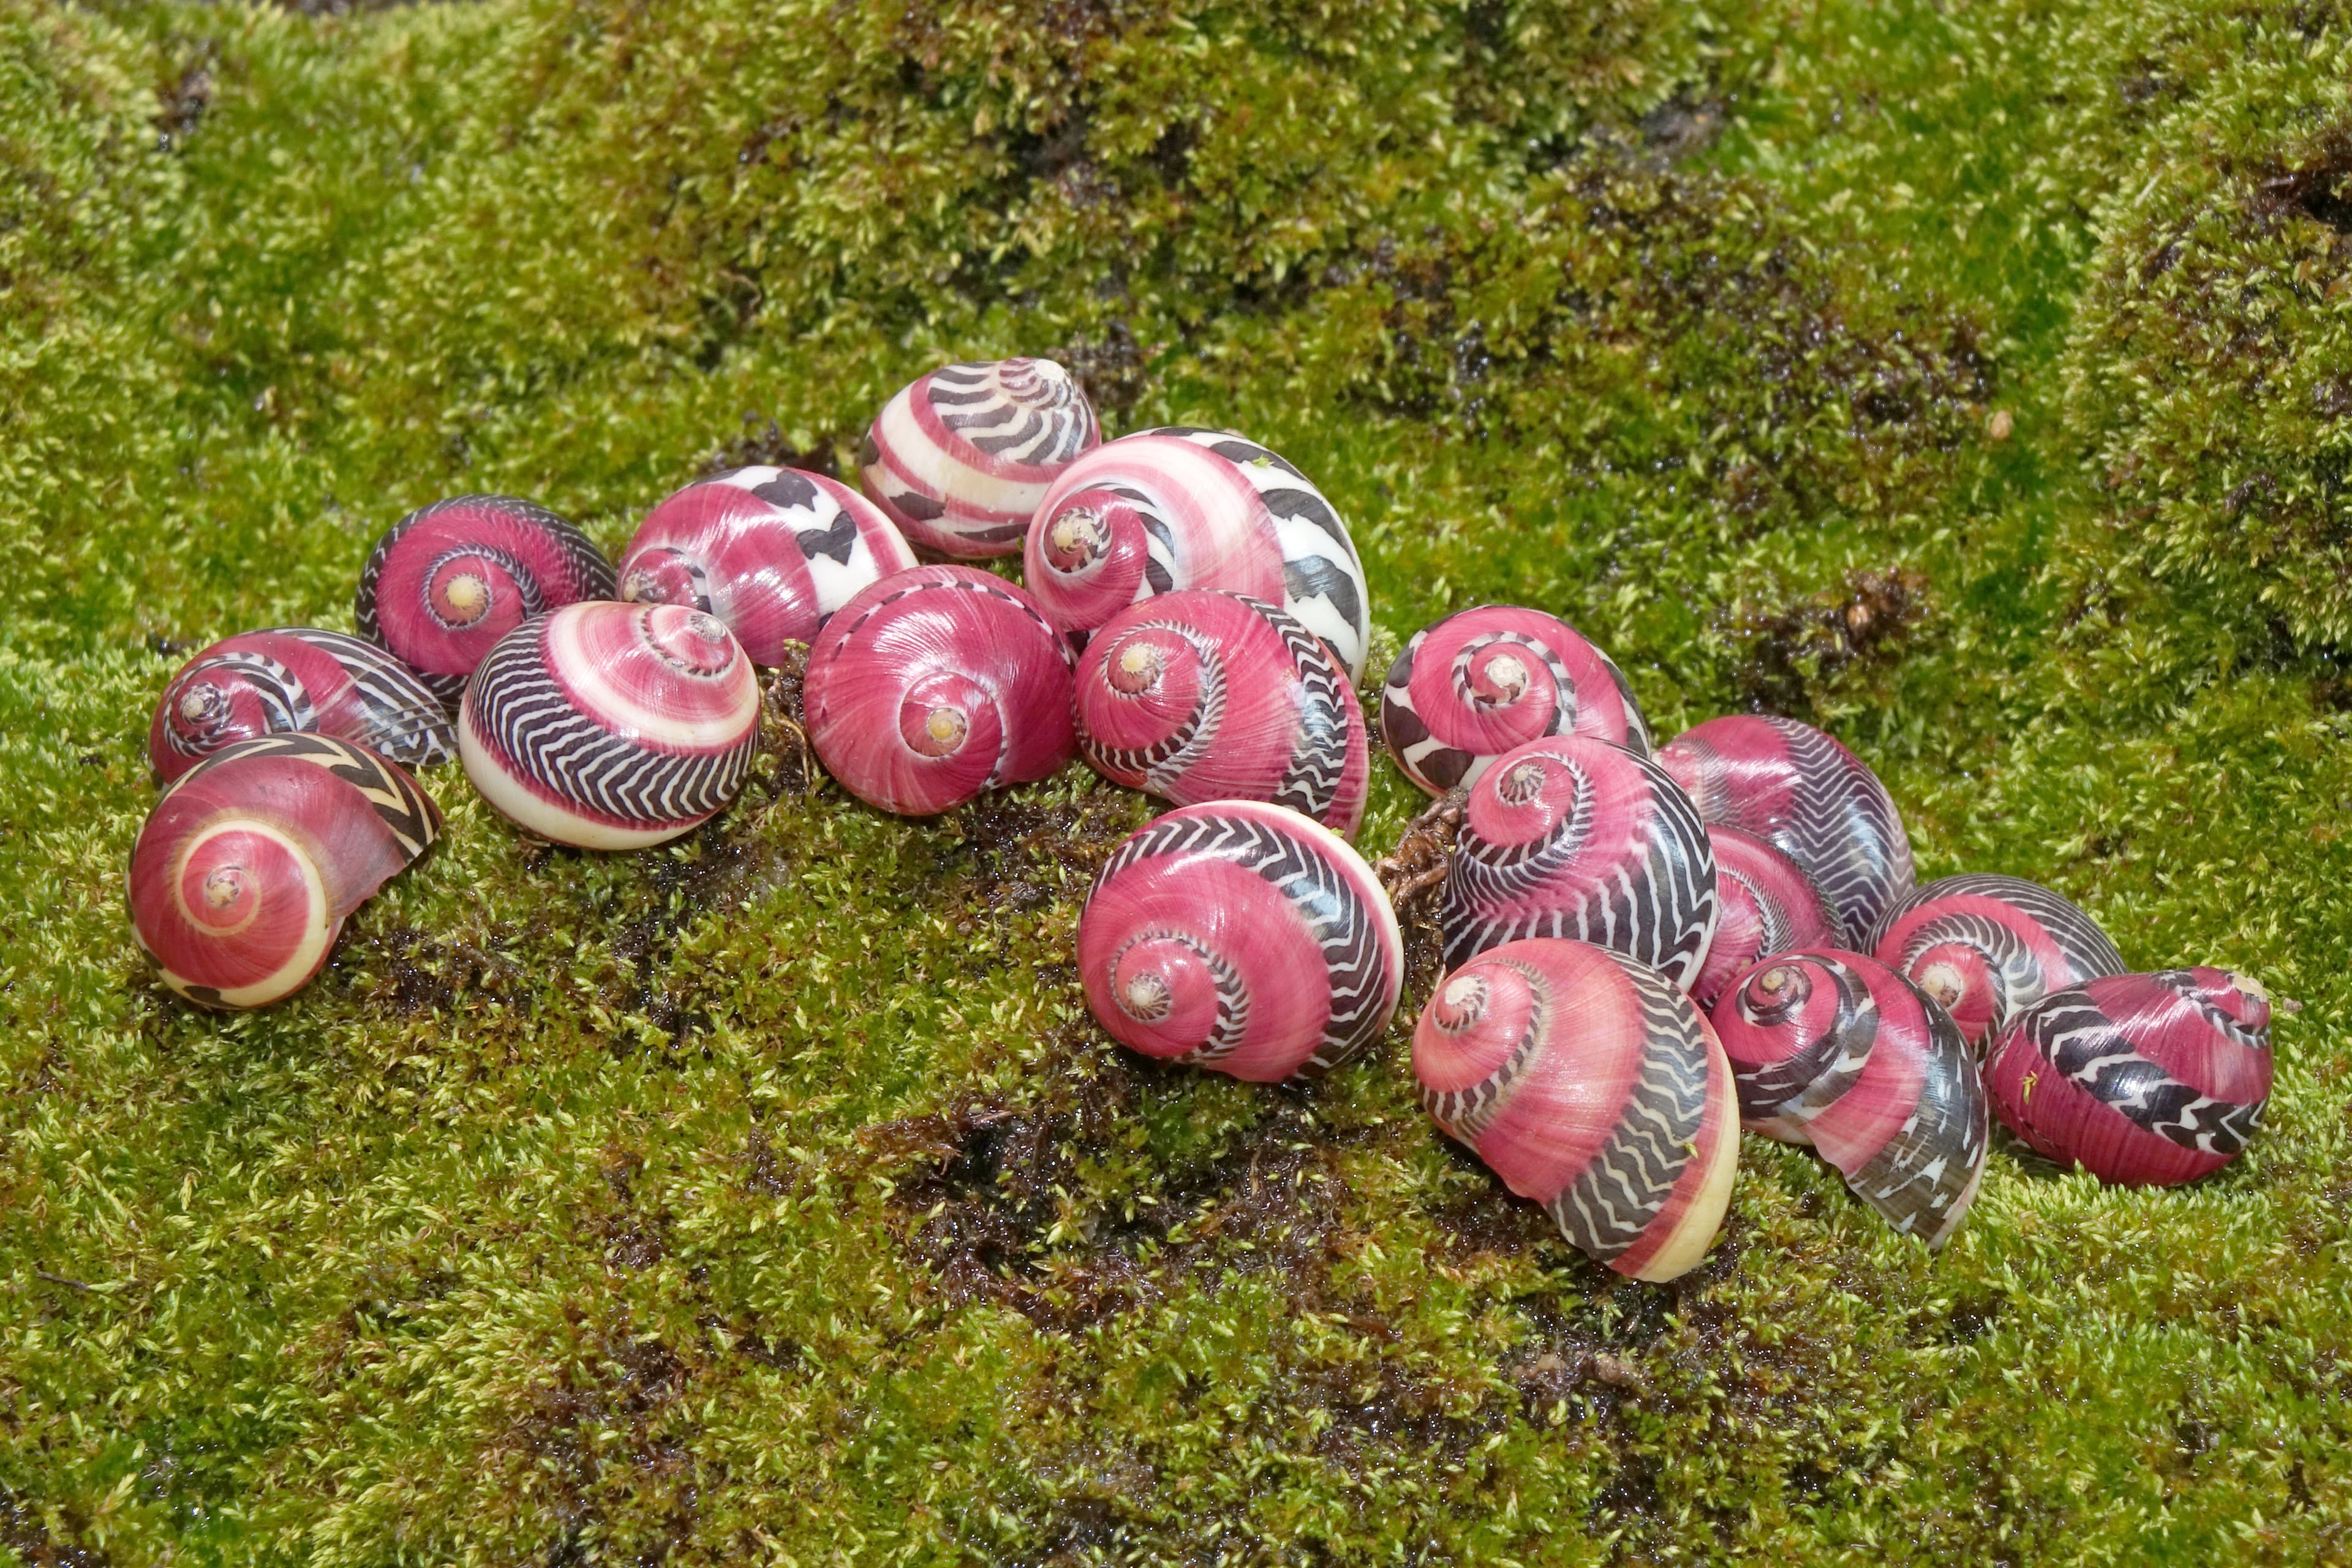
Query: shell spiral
{"points": [[935, 684], [1568, 836], [297, 678], [1768, 907], [1242, 937], [1988, 947], [447, 581], [773, 552], [1180, 507], [1818, 803], [2141, 1079], [1471, 686], [249, 866], [1590, 1084], [1199, 695], [961, 458], [1836, 1050], [610, 726]]}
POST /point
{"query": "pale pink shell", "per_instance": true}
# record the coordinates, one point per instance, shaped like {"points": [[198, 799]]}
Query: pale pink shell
{"points": [[1768, 907], [961, 458]]}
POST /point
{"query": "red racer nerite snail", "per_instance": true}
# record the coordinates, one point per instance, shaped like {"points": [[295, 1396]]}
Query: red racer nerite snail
{"points": [[1836, 1050], [297, 678], [1180, 508], [1199, 696], [961, 458], [610, 726], [1988, 947], [1242, 937], [1766, 907], [1590, 1084], [1471, 686], [935, 684], [2141, 1079], [249, 864], [771, 552]]}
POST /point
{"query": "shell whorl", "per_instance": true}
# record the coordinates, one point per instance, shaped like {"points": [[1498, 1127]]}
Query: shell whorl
{"points": [[961, 458], [293, 678], [1766, 906], [1988, 946]]}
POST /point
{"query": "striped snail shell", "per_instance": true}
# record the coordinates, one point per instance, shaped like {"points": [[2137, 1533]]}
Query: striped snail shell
{"points": [[770, 551], [610, 726], [1470, 687], [1590, 1084], [1768, 907], [961, 458], [1568, 836], [1201, 695], [1836, 1050], [935, 684], [1988, 947], [447, 581], [297, 678], [2141, 1079], [1180, 508], [1818, 803], [1242, 937], [249, 864]]}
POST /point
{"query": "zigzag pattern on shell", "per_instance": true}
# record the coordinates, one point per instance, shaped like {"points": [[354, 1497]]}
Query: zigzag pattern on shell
{"points": [[370, 697], [405, 808], [2083, 1043], [960, 457], [1613, 1202]]}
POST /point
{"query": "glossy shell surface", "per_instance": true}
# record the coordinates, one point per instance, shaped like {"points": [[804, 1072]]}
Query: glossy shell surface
{"points": [[292, 678], [1766, 906], [1988, 947], [961, 458]]}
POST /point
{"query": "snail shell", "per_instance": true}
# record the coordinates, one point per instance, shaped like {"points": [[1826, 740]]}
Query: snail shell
{"points": [[1768, 907], [770, 551], [1988, 947], [1590, 1084], [1836, 1050], [1242, 937], [1201, 695], [447, 581], [2141, 1079], [297, 678], [935, 684], [1573, 837], [961, 458], [1180, 507], [249, 864], [610, 726], [1817, 801], [1470, 687]]}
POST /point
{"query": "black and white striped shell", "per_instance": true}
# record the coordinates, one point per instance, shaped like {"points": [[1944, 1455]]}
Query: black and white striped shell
{"points": [[961, 458], [291, 679], [1988, 946]]}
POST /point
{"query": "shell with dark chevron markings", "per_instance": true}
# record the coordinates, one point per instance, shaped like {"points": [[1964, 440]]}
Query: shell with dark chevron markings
{"points": [[1568, 836], [610, 726], [1242, 937], [960, 457], [1988, 947], [773, 552], [1471, 686], [1201, 695], [935, 684], [1591, 1084], [1180, 508], [1768, 907], [1817, 801], [1834, 1049], [447, 581], [249, 866], [297, 678], [2141, 1079]]}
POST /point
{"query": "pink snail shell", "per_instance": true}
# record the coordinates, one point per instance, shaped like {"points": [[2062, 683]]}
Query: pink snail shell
{"points": [[1474, 685], [1180, 507], [1242, 937], [1836, 1051], [2141, 1079], [935, 684], [297, 678], [610, 726], [1199, 696], [447, 581], [1817, 801], [1590, 1084], [961, 458], [1988, 947], [1768, 907], [248, 867], [1568, 836], [773, 552]]}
